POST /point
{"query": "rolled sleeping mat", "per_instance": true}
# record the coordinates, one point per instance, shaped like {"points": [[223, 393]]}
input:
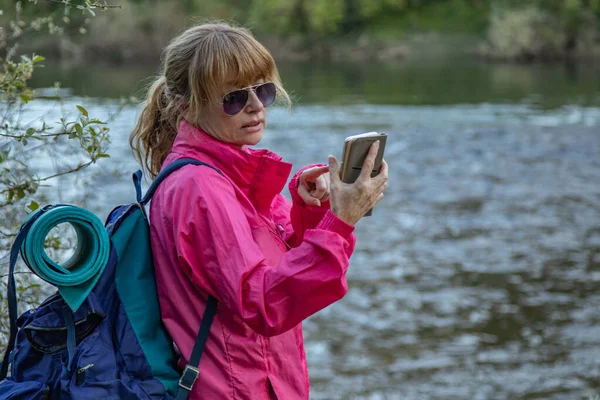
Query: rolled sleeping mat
{"points": [[76, 278]]}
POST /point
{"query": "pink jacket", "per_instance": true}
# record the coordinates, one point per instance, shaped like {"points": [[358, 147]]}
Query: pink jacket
{"points": [[269, 263]]}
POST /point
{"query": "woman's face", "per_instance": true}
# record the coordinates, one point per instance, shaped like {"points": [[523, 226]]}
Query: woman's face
{"points": [[243, 128]]}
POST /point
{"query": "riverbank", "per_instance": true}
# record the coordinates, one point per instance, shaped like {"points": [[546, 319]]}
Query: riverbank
{"points": [[361, 50], [140, 29], [414, 82]]}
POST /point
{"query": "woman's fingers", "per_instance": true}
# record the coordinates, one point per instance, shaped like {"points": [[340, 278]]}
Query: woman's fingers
{"points": [[321, 188], [314, 185], [383, 174], [334, 170], [307, 197], [382, 178], [350, 202], [369, 163], [379, 184], [311, 174]]}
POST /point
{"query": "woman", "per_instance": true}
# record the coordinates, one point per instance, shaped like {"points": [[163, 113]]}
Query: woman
{"points": [[270, 264]]}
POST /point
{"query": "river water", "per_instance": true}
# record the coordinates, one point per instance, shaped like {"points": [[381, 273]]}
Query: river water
{"points": [[478, 275]]}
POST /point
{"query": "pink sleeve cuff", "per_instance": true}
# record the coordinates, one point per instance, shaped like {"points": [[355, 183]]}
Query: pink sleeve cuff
{"points": [[332, 223]]}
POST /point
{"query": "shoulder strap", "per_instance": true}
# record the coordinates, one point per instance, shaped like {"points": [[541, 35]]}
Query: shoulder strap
{"points": [[12, 288], [190, 373], [169, 169]]}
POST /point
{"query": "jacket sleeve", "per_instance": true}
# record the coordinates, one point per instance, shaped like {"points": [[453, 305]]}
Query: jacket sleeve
{"points": [[216, 248], [304, 216]]}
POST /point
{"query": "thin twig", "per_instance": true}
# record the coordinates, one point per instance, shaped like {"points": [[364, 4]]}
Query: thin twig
{"points": [[79, 168], [45, 135], [25, 185], [7, 234], [16, 272], [19, 186], [94, 5]]}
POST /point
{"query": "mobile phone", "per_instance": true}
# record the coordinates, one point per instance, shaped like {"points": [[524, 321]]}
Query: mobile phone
{"points": [[355, 151]]}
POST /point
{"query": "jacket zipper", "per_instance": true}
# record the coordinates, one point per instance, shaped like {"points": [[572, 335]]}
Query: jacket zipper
{"points": [[278, 231]]}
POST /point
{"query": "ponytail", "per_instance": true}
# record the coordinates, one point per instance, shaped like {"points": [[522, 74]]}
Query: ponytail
{"points": [[152, 138]]}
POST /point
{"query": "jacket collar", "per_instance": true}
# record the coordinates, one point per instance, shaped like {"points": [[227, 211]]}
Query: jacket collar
{"points": [[260, 174]]}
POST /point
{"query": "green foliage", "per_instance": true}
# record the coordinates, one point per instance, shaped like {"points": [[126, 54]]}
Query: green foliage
{"points": [[338, 17], [274, 16], [523, 33], [23, 141], [20, 140], [149, 24], [324, 17], [542, 30], [456, 16], [374, 8], [217, 9]]}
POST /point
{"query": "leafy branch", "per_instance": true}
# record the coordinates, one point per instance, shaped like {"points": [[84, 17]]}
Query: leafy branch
{"points": [[27, 140], [87, 5], [16, 181]]}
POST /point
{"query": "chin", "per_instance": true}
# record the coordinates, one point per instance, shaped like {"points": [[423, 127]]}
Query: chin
{"points": [[253, 139]]}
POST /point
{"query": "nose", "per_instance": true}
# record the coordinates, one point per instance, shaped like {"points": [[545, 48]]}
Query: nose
{"points": [[254, 104]]}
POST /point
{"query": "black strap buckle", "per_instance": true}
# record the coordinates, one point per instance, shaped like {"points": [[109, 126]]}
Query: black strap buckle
{"points": [[188, 378]]}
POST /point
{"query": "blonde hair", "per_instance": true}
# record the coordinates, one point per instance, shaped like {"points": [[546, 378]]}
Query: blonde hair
{"points": [[197, 65]]}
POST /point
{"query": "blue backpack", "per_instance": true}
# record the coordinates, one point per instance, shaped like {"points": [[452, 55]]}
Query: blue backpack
{"points": [[114, 345]]}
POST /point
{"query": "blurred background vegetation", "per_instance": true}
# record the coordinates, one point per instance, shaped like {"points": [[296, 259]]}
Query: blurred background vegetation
{"points": [[343, 30]]}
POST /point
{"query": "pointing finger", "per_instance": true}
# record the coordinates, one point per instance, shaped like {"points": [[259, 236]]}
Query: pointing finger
{"points": [[312, 174]]}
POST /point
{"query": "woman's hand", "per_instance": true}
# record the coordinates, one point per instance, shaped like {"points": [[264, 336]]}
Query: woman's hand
{"points": [[313, 186], [350, 202]]}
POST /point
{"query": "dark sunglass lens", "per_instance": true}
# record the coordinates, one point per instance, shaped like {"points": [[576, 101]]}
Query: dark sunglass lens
{"points": [[266, 93], [235, 101]]}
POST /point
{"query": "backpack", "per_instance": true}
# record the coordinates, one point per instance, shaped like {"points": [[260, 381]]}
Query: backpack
{"points": [[114, 345]]}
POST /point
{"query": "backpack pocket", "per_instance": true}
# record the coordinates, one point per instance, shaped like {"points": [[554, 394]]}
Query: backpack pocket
{"points": [[96, 373], [48, 334], [40, 353], [100, 372], [11, 390]]}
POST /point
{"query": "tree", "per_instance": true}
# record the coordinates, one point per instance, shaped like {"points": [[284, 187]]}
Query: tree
{"points": [[25, 137]]}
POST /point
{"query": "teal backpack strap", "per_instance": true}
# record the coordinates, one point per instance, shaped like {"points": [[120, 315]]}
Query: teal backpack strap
{"points": [[169, 169], [12, 289], [190, 373]]}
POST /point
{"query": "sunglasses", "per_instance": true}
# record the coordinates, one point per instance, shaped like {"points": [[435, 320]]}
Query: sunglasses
{"points": [[235, 101]]}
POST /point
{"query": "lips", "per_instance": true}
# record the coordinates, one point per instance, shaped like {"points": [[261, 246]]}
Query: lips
{"points": [[252, 124]]}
